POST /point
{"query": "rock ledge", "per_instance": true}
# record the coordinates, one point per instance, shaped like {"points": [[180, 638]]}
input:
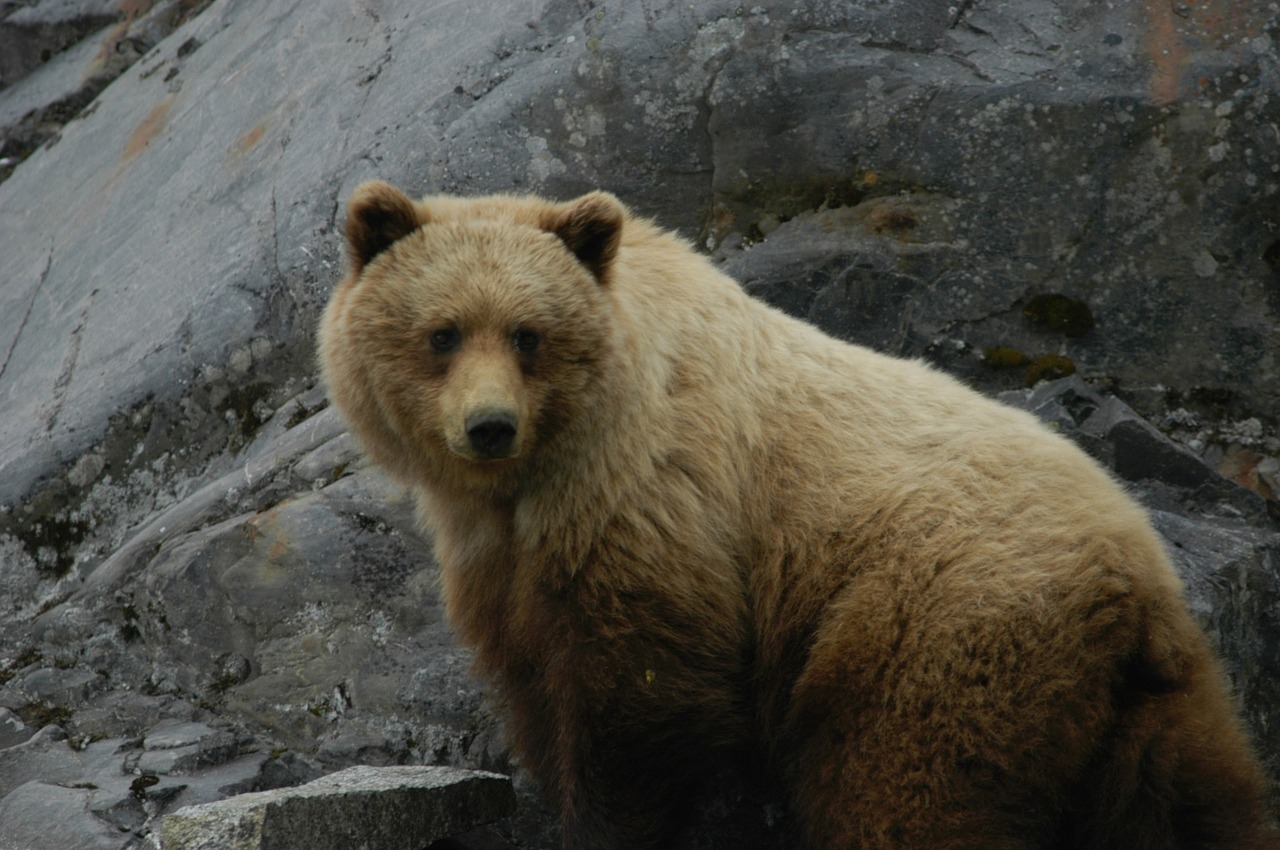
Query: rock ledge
{"points": [[382, 808]]}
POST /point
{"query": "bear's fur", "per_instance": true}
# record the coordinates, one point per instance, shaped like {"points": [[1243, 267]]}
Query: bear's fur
{"points": [[673, 522]]}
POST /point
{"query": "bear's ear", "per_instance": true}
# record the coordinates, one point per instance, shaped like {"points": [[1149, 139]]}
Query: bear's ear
{"points": [[591, 228], [378, 214]]}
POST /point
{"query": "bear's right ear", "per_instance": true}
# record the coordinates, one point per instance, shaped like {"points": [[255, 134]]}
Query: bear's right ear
{"points": [[591, 228], [378, 214]]}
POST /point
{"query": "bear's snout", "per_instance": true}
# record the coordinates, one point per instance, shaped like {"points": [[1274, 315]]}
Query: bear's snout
{"points": [[492, 434]]}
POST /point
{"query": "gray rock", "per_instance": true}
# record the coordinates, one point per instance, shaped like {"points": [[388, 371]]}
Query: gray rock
{"points": [[127, 714], [174, 734], [326, 600], [729, 132], [274, 259], [402, 808], [126, 783], [12, 730], [31, 35], [41, 816], [1233, 585], [55, 686], [1142, 453], [48, 88], [45, 756], [973, 157], [1168, 474], [178, 747]]}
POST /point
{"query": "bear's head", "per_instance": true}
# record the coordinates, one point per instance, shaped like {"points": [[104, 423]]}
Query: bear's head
{"points": [[468, 334]]}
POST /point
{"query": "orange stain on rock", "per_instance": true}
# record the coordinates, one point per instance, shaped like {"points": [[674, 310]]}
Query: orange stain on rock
{"points": [[132, 10], [250, 139], [148, 129], [109, 46], [1167, 48], [263, 531], [279, 548], [1175, 30]]}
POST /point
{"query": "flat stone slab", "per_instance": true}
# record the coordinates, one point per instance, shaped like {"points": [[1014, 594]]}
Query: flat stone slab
{"points": [[373, 808]]}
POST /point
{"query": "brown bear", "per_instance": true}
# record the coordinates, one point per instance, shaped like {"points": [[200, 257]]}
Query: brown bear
{"points": [[673, 522]]}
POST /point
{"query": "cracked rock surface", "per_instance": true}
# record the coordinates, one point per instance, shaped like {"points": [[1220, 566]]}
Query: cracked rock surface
{"points": [[204, 590]]}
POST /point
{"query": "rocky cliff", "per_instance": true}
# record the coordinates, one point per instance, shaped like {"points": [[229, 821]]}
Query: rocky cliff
{"points": [[203, 588]]}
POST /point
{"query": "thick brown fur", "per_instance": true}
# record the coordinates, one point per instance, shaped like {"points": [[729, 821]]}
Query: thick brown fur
{"points": [[707, 526]]}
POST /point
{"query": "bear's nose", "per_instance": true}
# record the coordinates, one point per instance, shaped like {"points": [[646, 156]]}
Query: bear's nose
{"points": [[492, 434]]}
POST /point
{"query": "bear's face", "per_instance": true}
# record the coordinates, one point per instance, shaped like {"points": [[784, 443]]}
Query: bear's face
{"points": [[467, 337], [480, 336]]}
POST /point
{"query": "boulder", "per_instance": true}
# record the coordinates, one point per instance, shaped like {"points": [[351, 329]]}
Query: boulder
{"points": [[389, 808]]}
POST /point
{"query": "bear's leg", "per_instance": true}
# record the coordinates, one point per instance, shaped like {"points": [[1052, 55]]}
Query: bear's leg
{"points": [[1176, 771], [595, 824], [929, 714], [621, 778], [979, 737], [1192, 786], [863, 797], [624, 798], [903, 769]]}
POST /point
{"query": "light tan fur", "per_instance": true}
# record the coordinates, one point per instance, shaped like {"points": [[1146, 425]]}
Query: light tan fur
{"points": [[717, 528]]}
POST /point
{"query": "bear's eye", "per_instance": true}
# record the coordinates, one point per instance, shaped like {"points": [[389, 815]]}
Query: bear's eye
{"points": [[445, 340], [526, 341]]}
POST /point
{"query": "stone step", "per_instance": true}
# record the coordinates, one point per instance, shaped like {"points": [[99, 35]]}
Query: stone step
{"points": [[375, 808]]}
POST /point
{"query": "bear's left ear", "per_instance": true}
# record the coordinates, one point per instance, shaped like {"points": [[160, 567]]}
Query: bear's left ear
{"points": [[591, 228], [378, 215]]}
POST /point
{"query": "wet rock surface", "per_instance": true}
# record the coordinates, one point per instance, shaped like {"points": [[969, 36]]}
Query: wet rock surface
{"points": [[91, 792], [204, 590]]}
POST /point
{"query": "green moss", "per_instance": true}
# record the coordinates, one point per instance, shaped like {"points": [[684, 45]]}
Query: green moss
{"points": [[1214, 398], [301, 413], [892, 218], [1001, 356], [24, 659], [1212, 402], [370, 525], [39, 715], [784, 199], [243, 403], [1049, 367], [138, 787], [221, 684], [1057, 312]]}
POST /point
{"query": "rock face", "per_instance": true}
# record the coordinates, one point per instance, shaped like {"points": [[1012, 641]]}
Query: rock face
{"points": [[101, 40], [205, 591]]}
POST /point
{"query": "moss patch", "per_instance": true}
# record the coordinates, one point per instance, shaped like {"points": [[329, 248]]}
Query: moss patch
{"points": [[1049, 367], [1002, 356], [1061, 313]]}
